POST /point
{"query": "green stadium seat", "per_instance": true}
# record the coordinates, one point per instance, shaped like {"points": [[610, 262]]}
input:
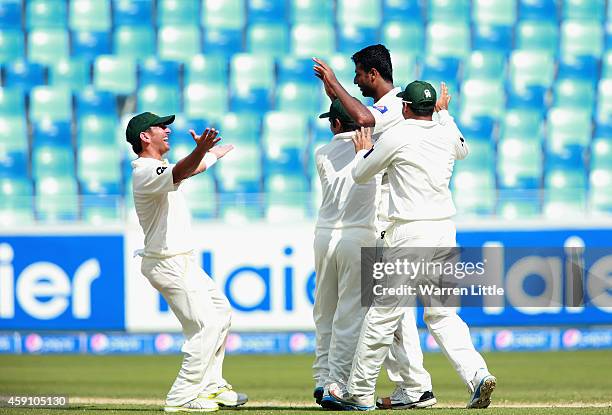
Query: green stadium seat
{"points": [[449, 11], [285, 128], [96, 129], [606, 65], [242, 165], [363, 13], [46, 14], [567, 126], [206, 69], [57, 199], [48, 45], [604, 99], [178, 43], [521, 124], [90, 15], [494, 12], [240, 128], [293, 96], [581, 38], [519, 209], [134, 41], [50, 102], [178, 12], [207, 101], [474, 191], [483, 97], [158, 100], [312, 11], [16, 208], [403, 37], [201, 196], [565, 194], [531, 68], [404, 68], [12, 102], [313, 39], [227, 14], [600, 197], [519, 163], [52, 161], [588, 10], [601, 153], [115, 74], [269, 39], [251, 71], [574, 93], [448, 39], [483, 64], [11, 45], [536, 35], [98, 162], [13, 134], [70, 73], [286, 198]]}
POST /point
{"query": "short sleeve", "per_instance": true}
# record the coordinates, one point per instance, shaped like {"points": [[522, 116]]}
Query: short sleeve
{"points": [[154, 179], [385, 117]]}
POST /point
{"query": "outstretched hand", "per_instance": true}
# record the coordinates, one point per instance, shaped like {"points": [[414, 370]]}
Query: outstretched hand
{"points": [[207, 140], [444, 99], [326, 74], [363, 139], [220, 151]]}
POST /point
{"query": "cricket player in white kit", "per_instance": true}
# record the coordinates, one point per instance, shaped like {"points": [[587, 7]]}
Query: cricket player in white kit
{"points": [[169, 264], [418, 155], [346, 223]]}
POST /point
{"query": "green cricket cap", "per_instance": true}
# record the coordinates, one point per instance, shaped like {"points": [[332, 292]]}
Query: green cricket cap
{"points": [[337, 110], [141, 122], [419, 94]]}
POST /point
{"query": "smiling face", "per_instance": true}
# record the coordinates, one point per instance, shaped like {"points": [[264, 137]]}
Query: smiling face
{"points": [[364, 80], [155, 139]]}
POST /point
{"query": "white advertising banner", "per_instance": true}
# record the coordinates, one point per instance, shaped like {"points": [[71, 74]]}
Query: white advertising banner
{"points": [[266, 271]]}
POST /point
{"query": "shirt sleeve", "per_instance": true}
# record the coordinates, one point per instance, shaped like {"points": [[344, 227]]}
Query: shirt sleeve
{"points": [[155, 180], [461, 147], [383, 118], [368, 163]]}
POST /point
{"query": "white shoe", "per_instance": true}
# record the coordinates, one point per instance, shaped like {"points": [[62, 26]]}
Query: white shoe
{"points": [[353, 402], [481, 387], [402, 399], [226, 396], [195, 405]]}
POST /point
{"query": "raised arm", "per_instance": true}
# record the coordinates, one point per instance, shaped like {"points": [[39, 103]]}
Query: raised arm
{"points": [[368, 162], [188, 166], [358, 112], [445, 119]]}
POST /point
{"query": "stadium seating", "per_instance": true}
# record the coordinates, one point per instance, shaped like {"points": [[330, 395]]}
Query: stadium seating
{"points": [[531, 82]]}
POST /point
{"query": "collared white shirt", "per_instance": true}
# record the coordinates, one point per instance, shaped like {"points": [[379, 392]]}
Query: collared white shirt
{"points": [[387, 112], [419, 157], [344, 204], [161, 208]]}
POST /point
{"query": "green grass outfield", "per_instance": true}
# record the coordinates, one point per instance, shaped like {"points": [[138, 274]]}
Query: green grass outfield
{"points": [[528, 383]]}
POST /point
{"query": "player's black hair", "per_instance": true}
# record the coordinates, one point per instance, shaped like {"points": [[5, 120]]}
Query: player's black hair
{"points": [[346, 126], [377, 57], [137, 147], [422, 112]]}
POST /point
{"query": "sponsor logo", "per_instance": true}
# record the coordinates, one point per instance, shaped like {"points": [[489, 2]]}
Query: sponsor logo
{"points": [[381, 108], [160, 170], [504, 339]]}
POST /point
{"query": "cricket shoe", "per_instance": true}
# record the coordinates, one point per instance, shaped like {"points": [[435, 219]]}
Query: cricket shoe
{"points": [[401, 399], [329, 402], [352, 402], [317, 393], [227, 397], [481, 388], [195, 405]]}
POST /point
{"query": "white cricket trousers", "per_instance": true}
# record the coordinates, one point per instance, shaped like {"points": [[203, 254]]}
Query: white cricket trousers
{"points": [[380, 323], [204, 313], [338, 313]]}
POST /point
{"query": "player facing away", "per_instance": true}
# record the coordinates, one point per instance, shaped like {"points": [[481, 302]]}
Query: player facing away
{"points": [[168, 261], [345, 224], [419, 155]]}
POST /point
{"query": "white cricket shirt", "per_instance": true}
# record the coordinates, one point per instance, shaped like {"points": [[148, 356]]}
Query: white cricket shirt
{"points": [[419, 157], [161, 208], [344, 204]]}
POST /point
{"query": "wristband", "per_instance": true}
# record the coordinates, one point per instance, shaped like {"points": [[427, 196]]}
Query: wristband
{"points": [[209, 159]]}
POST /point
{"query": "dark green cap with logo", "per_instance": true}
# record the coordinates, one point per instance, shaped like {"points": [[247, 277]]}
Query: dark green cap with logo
{"points": [[337, 110], [419, 95], [140, 123]]}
